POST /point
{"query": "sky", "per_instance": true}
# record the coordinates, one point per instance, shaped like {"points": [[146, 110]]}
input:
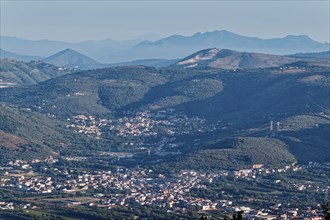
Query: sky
{"points": [[76, 21]]}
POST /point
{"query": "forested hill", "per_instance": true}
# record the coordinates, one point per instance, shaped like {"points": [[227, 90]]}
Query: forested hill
{"points": [[246, 100], [16, 73]]}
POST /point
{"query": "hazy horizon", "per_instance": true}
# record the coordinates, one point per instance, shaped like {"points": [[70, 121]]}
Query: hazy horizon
{"points": [[154, 37], [77, 21]]}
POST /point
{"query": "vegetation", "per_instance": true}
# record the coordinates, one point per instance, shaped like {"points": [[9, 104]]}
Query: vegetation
{"points": [[28, 135], [244, 102], [22, 74], [235, 154], [326, 210]]}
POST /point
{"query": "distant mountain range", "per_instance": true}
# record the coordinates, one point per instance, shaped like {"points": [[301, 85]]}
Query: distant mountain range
{"points": [[319, 55], [6, 54], [225, 39], [172, 47], [147, 62], [102, 50], [207, 58]]}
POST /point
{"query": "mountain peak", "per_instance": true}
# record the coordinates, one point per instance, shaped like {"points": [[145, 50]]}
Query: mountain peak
{"points": [[297, 36], [231, 59], [300, 38], [69, 50], [71, 58], [144, 43], [222, 31]]}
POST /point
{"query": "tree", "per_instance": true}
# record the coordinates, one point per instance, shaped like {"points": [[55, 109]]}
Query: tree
{"points": [[326, 210], [238, 215]]}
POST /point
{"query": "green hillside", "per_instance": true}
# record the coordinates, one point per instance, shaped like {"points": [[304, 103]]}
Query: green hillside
{"points": [[96, 92], [243, 102], [17, 73], [307, 136], [26, 134], [236, 154]]}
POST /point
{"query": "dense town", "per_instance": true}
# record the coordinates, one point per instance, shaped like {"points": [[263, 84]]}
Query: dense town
{"points": [[131, 187], [140, 124], [139, 187]]}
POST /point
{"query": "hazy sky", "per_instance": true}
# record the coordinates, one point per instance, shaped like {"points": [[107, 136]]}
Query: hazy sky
{"points": [[121, 20]]}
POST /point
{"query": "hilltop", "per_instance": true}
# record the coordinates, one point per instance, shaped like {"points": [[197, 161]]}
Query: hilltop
{"points": [[237, 153], [230, 59]]}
